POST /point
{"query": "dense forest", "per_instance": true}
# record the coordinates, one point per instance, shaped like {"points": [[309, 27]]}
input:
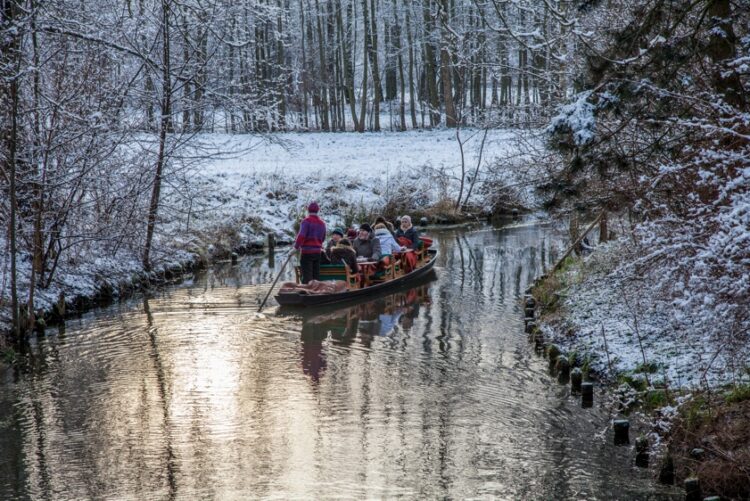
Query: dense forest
{"points": [[216, 65]]}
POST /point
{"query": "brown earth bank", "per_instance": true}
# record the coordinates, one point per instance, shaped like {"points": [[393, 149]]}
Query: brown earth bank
{"points": [[710, 441]]}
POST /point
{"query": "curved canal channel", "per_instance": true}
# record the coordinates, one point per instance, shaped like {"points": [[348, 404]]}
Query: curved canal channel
{"points": [[431, 392]]}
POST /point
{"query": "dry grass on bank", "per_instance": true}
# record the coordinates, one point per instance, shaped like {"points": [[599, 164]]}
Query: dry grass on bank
{"points": [[721, 430]]}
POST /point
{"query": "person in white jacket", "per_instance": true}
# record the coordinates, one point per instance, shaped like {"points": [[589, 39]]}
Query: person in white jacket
{"points": [[388, 244]]}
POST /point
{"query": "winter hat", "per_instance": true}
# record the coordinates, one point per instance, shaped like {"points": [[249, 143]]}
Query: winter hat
{"points": [[344, 242], [366, 227], [351, 233], [313, 207], [337, 231]]}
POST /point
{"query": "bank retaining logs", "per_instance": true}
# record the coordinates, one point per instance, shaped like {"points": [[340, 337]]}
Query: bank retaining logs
{"points": [[562, 366], [559, 363]]}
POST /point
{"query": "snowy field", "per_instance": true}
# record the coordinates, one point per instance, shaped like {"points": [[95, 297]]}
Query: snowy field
{"points": [[368, 154], [269, 182]]}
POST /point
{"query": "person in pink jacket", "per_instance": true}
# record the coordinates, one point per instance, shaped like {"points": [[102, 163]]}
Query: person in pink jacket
{"points": [[309, 241]]}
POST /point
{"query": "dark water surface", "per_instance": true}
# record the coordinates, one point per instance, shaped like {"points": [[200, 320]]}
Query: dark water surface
{"points": [[433, 392]]}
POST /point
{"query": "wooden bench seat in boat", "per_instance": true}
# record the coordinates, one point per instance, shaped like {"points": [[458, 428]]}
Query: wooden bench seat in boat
{"points": [[333, 272]]}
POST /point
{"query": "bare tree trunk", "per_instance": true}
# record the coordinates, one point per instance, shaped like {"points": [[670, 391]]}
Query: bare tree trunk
{"points": [[378, 98], [187, 92], [232, 86], [325, 124], [603, 231], [463, 169], [37, 262], [148, 86], [721, 47], [348, 69], [305, 74], [575, 234], [281, 80], [446, 68], [366, 45], [400, 57], [476, 170], [409, 41], [200, 76], [494, 99], [430, 71], [445, 77], [9, 106], [165, 125], [13, 208]]}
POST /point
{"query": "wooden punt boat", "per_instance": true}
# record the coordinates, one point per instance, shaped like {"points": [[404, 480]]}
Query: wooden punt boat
{"points": [[296, 298]]}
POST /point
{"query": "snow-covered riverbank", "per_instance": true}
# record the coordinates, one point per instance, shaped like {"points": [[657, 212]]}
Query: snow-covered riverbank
{"points": [[686, 387], [625, 325]]}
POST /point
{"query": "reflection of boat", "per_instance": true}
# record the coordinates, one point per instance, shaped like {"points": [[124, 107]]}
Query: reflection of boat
{"points": [[364, 322], [378, 317], [295, 298]]}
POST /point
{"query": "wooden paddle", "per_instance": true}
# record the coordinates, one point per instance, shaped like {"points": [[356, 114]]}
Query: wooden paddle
{"points": [[288, 258]]}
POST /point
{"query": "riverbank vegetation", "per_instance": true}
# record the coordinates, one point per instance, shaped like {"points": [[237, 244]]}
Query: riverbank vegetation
{"points": [[690, 392], [659, 137]]}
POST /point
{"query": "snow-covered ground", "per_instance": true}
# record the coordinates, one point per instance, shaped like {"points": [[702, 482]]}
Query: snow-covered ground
{"points": [[624, 324], [366, 154], [347, 173]]}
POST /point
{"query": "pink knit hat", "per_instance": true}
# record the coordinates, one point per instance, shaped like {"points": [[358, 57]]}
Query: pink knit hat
{"points": [[313, 207]]}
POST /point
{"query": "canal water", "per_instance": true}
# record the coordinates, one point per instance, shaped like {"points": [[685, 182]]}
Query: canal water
{"points": [[431, 392]]}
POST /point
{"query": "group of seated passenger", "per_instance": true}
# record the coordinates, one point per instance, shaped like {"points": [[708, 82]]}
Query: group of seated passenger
{"points": [[378, 242]]}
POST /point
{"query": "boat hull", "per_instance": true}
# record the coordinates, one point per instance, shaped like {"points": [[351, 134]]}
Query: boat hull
{"points": [[297, 299]]}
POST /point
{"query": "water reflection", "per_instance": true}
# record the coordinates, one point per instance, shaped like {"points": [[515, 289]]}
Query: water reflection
{"points": [[379, 317], [162, 391], [430, 392]]}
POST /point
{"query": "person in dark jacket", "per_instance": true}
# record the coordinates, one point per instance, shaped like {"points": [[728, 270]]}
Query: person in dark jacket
{"points": [[366, 245], [336, 235], [407, 231], [309, 241], [343, 253]]}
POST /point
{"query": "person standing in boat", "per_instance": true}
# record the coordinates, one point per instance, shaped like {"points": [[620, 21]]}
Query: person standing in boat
{"points": [[309, 241], [365, 245]]}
